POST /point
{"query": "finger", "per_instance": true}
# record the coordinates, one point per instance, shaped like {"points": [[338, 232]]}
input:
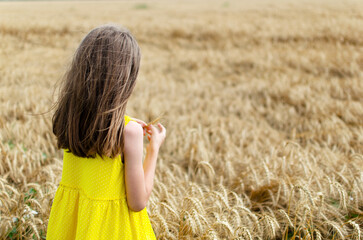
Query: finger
{"points": [[149, 127], [162, 128], [152, 128], [142, 123]]}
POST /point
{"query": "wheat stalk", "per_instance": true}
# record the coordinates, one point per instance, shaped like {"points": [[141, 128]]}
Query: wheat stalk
{"points": [[338, 230], [287, 218], [317, 234], [156, 120], [356, 229]]}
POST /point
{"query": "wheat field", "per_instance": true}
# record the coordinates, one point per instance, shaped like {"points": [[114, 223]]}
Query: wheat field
{"points": [[262, 100]]}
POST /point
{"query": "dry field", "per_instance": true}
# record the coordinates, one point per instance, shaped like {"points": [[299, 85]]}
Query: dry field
{"points": [[263, 103]]}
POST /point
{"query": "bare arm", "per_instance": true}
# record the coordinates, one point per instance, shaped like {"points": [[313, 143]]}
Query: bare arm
{"points": [[149, 169], [139, 177]]}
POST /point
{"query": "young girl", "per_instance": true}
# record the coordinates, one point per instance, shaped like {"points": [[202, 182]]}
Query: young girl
{"points": [[105, 182]]}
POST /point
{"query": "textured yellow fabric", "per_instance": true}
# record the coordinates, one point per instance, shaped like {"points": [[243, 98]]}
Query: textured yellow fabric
{"points": [[90, 202]]}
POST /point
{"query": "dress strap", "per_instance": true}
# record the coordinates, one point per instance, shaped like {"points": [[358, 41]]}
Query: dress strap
{"points": [[127, 119]]}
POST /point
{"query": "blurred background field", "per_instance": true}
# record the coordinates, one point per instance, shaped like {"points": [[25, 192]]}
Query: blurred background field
{"points": [[263, 102]]}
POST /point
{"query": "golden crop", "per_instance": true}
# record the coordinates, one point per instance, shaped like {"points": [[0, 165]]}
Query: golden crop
{"points": [[263, 104]]}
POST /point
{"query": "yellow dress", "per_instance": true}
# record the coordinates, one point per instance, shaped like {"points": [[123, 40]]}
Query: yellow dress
{"points": [[90, 202]]}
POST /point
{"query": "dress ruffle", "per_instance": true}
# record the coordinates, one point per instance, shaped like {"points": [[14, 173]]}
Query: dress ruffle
{"points": [[75, 213]]}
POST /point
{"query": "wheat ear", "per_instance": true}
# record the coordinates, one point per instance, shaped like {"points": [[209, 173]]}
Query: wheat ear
{"points": [[156, 120]]}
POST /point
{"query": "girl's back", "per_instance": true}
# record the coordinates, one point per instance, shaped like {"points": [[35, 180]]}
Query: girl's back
{"points": [[105, 182]]}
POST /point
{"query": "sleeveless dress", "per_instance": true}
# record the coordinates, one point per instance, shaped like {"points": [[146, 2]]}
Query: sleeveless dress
{"points": [[90, 202]]}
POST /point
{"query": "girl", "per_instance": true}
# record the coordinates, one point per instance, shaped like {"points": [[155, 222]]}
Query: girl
{"points": [[105, 182]]}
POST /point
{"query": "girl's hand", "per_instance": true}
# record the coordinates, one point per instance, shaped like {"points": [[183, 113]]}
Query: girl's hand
{"points": [[156, 136]]}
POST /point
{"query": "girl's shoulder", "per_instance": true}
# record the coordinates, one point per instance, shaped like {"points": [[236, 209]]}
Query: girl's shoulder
{"points": [[133, 139], [133, 129]]}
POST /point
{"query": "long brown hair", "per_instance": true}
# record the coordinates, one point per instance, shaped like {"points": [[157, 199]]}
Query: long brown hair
{"points": [[89, 117]]}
